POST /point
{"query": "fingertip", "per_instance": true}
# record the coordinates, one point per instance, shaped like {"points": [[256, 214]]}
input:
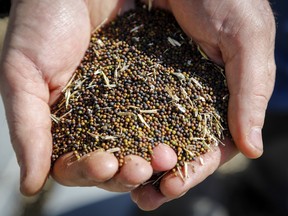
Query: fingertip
{"points": [[33, 179], [35, 164], [89, 170], [172, 186], [30, 190], [245, 124], [100, 166], [164, 158], [255, 140], [135, 171], [253, 145]]}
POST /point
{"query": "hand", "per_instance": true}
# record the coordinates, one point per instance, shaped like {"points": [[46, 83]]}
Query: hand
{"points": [[48, 64], [239, 35], [44, 44]]}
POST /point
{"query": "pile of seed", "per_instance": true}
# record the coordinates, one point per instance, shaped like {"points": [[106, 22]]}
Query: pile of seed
{"points": [[141, 82]]}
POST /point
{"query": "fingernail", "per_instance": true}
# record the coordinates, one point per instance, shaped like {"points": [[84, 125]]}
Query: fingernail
{"points": [[255, 138], [22, 178], [22, 173], [130, 187], [135, 198]]}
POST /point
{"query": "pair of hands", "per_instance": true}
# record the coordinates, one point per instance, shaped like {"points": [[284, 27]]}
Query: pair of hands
{"points": [[46, 41]]}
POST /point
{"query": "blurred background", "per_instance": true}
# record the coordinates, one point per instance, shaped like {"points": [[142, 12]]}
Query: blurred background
{"points": [[241, 187]]}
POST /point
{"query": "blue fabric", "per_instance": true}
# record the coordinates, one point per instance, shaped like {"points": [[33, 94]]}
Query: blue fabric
{"points": [[279, 100]]}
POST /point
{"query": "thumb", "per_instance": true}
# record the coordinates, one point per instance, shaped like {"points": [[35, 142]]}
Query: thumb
{"points": [[25, 97], [250, 91], [248, 53]]}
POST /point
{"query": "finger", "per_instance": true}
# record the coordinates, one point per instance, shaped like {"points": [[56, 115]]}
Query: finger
{"points": [[101, 169], [98, 168], [163, 158], [28, 118], [134, 172], [173, 186], [248, 54], [89, 170], [153, 198]]}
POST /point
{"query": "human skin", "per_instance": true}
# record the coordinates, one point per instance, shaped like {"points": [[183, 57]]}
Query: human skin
{"points": [[46, 41], [239, 35]]}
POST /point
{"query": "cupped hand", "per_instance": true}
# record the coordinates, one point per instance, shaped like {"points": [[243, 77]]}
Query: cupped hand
{"points": [[240, 36], [44, 44]]}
